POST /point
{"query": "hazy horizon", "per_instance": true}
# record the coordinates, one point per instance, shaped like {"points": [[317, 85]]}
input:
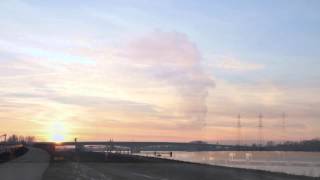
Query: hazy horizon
{"points": [[159, 70]]}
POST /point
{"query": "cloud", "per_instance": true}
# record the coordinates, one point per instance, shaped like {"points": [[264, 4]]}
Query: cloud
{"points": [[163, 49], [153, 83], [107, 103], [172, 58], [232, 64], [154, 78]]}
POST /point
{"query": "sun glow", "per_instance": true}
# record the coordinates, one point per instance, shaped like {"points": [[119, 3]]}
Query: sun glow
{"points": [[58, 131]]}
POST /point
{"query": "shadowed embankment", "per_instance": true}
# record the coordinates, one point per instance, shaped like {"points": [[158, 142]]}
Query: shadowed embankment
{"points": [[12, 153], [96, 166]]}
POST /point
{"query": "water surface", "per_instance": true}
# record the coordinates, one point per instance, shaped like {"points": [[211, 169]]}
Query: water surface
{"points": [[298, 163]]}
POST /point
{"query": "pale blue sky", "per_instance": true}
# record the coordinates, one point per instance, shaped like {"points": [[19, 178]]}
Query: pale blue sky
{"points": [[274, 33]]}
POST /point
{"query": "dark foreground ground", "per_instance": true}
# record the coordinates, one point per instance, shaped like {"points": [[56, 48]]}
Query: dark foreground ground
{"points": [[29, 165], [123, 168]]}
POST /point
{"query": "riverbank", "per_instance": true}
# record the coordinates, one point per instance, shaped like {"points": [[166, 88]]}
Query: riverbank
{"points": [[124, 167]]}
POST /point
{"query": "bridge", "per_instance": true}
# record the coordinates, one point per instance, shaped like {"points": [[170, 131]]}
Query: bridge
{"points": [[140, 146], [158, 146]]}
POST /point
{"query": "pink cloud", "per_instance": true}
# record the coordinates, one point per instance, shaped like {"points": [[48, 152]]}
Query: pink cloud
{"points": [[172, 58]]}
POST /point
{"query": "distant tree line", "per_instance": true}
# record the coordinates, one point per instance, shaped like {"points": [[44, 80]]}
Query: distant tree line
{"points": [[312, 145], [16, 139], [198, 142], [305, 145]]}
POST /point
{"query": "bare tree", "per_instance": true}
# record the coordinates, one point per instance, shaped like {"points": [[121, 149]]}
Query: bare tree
{"points": [[13, 139], [29, 139]]}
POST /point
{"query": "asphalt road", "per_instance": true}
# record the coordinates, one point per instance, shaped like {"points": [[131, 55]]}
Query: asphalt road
{"points": [[30, 166]]}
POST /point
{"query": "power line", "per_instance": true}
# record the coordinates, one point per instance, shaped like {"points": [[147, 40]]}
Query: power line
{"points": [[284, 124], [260, 128], [239, 126]]}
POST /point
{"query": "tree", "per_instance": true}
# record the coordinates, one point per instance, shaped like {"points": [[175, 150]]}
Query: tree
{"points": [[13, 139], [270, 144], [29, 139], [21, 139]]}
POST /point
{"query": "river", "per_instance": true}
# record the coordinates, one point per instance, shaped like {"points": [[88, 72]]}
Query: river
{"points": [[291, 162], [298, 163]]}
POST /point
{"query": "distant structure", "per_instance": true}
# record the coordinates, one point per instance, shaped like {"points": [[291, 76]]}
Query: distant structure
{"points": [[239, 133], [260, 128], [284, 138], [4, 138], [2, 142], [76, 146]]}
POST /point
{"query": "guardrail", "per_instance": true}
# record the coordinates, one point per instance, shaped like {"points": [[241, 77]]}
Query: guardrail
{"points": [[9, 147]]}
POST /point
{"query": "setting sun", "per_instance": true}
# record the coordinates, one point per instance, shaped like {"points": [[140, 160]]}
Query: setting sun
{"points": [[58, 131]]}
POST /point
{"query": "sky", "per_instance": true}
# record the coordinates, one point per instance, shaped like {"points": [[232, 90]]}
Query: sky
{"points": [[164, 70]]}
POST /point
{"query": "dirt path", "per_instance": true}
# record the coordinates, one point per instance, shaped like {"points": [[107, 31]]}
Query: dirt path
{"points": [[30, 166]]}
